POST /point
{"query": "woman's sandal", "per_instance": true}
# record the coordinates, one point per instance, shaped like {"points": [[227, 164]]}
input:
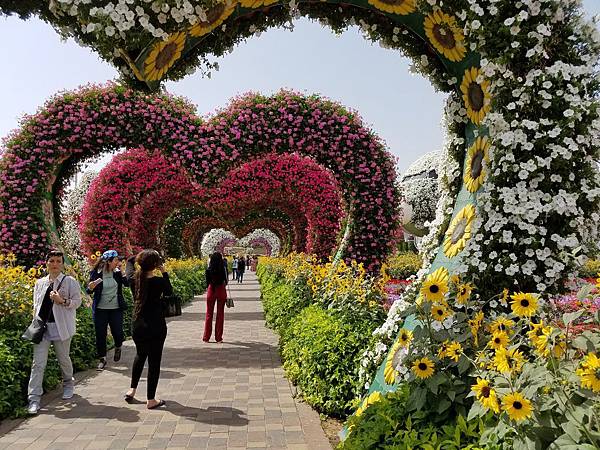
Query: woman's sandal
{"points": [[129, 398], [158, 405]]}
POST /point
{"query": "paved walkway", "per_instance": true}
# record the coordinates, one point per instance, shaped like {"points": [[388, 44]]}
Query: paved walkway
{"points": [[230, 395]]}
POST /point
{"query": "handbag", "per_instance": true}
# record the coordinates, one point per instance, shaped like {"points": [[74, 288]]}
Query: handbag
{"points": [[35, 331], [172, 305], [229, 302]]}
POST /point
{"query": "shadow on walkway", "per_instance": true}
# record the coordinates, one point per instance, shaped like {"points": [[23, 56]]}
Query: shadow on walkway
{"points": [[78, 407], [229, 315], [218, 415]]}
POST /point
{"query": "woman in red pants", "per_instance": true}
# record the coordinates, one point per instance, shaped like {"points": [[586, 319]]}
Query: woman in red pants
{"points": [[216, 279]]}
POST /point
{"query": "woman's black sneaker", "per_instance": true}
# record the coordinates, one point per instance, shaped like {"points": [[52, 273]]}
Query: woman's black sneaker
{"points": [[117, 356]]}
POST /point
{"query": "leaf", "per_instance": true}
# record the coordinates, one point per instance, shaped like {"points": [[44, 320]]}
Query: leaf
{"points": [[443, 405], [477, 410], [572, 431], [417, 399], [568, 318]]}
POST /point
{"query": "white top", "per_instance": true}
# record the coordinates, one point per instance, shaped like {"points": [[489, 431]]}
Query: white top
{"points": [[64, 315]]}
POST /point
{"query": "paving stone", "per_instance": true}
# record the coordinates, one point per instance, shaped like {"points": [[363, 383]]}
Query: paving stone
{"points": [[230, 395]]}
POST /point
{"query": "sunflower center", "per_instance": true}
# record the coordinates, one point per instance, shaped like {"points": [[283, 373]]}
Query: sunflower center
{"points": [[476, 164], [475, 96], [517, 405], [422, 366], [485, 391], [213, 14], [502, 327], [434, 288], [444, 35], [497, 340], [440, 312], [165, 56], [525, 303], [459, 230]]}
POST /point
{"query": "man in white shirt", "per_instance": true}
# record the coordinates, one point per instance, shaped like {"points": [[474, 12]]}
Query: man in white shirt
{"points": [[56, 298]]}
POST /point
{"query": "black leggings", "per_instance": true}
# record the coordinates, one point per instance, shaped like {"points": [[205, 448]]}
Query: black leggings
{"points": [[102, 319], [151, 349]]}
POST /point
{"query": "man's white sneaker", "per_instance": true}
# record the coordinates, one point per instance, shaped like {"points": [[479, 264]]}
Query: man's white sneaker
{"points": [[33, 407], [67, 392]]}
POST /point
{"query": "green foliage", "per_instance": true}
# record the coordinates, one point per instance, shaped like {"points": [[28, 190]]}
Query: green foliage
{"points": [[388, 424], [282, 303], [321, 355], [403, 265]]}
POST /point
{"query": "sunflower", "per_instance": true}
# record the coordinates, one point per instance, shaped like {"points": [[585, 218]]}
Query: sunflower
{"points": [[450, 350], [539, 335], [474, 172], [435, 285], [486, 395], [517, 406], [393, 363], [499, 340], [93, 257], [589, 372], [405, 337], [475, 324], [400, 7], [476, 95], [459, 231], [98, 253], [508, 361], [423, 368], [374, 397], [501, 324], [445, 35], [163, 55], [524, 305], [439, 312], [464, 293], [215, 16]]}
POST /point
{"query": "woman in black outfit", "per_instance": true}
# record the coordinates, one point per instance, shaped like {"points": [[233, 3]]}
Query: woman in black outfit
{"points": [[149, 328]]}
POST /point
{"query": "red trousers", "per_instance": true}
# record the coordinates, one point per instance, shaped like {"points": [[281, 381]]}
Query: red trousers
{"points": [[218, 295]]}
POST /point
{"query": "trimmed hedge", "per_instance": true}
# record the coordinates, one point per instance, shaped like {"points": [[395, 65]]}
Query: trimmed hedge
{"points": [[403, 265]]}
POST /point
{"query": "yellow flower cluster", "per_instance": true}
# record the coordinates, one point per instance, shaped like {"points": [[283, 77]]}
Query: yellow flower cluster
{"points": [[589, 372], [16, 287]]}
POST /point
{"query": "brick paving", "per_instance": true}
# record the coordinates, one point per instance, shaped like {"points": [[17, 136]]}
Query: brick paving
{"points": [[219, 396]]}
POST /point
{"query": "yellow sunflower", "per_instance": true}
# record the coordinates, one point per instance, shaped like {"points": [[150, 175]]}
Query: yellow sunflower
{"points": [[93, 257], [400, 7], [451, 350], [435, 285], [501, 325], [524, 304], [405, 337], [394, 361], [486, 395], [445, 35], [476, 95], [508, 361], [371, 399], [440, 312], [163, 55], [459, 231], [474, 172], [215, 16], [98, 253], [589, 372], [539, 335], [517, 406], [474, 325], [499, 340], [423, 368], [464, 293]]}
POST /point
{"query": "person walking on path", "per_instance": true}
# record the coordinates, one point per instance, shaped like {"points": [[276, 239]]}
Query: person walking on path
{"points": [[56, 298], [149, 327], [106, 285], [234, 267], [241, 269], [216, 280]]}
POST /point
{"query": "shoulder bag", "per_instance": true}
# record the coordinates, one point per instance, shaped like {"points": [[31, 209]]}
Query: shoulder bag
{"points": [[35, 331]]}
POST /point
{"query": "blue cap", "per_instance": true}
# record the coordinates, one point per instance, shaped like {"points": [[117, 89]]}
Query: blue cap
{"points": [[109, 254]]}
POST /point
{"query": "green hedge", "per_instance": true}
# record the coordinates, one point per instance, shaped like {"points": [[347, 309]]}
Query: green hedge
{"points": [[403, 265], [16, 354], [320, 349]]}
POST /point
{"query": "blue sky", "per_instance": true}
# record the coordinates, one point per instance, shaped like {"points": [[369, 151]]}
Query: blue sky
{"points": [[402, 108]]}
